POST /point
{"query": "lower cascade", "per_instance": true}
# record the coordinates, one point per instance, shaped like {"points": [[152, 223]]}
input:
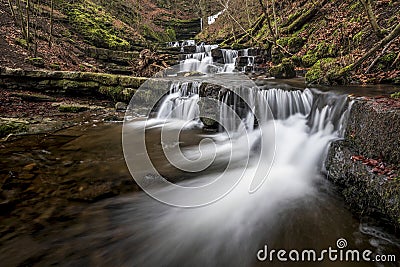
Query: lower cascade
{"points": [[277, 146]]}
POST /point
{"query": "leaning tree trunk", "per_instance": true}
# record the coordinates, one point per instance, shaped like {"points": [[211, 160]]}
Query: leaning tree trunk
{"points": [[394, 34], [304, 18]]}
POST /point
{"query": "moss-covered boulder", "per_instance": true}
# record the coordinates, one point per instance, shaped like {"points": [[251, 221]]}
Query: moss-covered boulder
{"points": [[326, 71], [7, 128], [284, 70]]}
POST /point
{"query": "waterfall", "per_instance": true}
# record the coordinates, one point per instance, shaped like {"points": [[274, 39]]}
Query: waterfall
{"points": [[181, 102], [322, 110], [278, 151], [202, 60], [230, 57]]}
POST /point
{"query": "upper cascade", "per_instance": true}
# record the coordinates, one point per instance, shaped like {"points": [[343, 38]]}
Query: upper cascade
{"points": [[212, 59]]}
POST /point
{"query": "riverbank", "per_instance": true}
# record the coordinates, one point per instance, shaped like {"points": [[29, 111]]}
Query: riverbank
{"points": [[366, 164]]}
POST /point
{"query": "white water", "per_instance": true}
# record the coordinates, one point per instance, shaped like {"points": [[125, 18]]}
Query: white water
{"points": [[293, 136], [202, 60]]}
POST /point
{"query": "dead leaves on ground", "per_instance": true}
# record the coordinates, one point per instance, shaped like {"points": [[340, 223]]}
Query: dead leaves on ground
{"points": [[378, 166]]}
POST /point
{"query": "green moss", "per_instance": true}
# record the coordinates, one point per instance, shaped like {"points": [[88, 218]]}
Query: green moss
{"points": [[21, 42], [358, 37], [355, 5], [297, 60], [322, 50], [293, 43], [388, 58], [116, 93], [11, 128], [171, 34], [319, 70], [395, 95], [36, 61], [96, 26], [309, 59], [283, 70]]}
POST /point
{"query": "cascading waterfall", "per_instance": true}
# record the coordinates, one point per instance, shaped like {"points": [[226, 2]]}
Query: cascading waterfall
{"points": [[181, 102], [227, 232], [230, 57], [202, 60]]}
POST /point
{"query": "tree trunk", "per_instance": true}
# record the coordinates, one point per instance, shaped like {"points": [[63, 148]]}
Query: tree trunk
{"points": [[21, 19], [394, 34], [12, 11], [304, 18], [266, 14], [371, 17], [51, 23], [28, 5]]}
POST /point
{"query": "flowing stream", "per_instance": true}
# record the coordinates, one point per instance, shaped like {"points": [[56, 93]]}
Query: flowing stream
{"points": [[276, 144]]}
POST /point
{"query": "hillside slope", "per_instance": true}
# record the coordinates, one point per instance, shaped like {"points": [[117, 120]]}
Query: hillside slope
{"points": [[323, 35], [86, 33]]}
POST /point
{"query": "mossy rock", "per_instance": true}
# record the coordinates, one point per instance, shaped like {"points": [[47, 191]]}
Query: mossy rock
{"points": [[12, 128], [326, 71], [395, 95], [96, 26], [72, 108], [297, 60], [116, 93], [293, 43], [309, 60], [322, 50], [284, 70], [36, 61], [276, 55]]}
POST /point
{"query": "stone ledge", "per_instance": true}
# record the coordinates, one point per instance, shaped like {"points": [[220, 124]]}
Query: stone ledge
{"points": [[374, 129], [71, 83], [364, 191], [372, 132]]}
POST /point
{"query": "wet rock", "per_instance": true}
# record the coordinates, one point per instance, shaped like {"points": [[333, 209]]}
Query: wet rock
{"points": [[121, 106], [217, 55], [189, 49], [29, 167], [373, 127], [209, 123], [371, 132], [365, 191], [190, 74]]}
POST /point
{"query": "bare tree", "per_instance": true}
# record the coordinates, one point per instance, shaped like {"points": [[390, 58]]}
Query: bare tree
{"points": [[51, 23], [371, 17], [12, 11]]}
